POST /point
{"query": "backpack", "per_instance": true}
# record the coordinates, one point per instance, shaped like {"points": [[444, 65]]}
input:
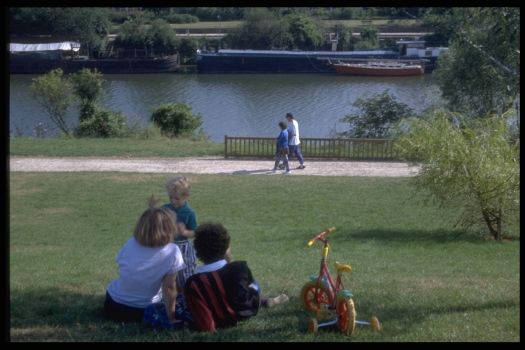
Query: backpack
{"points": [[223, 297]]}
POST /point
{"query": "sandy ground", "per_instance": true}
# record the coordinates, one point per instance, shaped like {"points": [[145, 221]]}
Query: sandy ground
{"points": [[208, 165]]}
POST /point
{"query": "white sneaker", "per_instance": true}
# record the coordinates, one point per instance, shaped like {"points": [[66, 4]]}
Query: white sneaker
{"points": [[289, 172], [281, 298]]}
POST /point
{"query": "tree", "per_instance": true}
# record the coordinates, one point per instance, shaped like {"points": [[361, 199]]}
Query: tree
{"points": [[377, 117], [306, 34], [368, 38], [54, 92], [262, 29], [88, 88], [161, 37], [472, 164], [132, 35], [480, 74], [345, 39]]}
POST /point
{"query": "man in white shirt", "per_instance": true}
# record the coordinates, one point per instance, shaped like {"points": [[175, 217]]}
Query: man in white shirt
{"points": [[294, 143]]}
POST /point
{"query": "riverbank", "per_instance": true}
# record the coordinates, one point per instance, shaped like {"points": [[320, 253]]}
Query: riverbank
{"points": [[147, 144]]}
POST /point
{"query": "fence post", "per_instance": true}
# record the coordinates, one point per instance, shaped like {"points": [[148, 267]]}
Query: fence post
{"points": [[226, 146]]}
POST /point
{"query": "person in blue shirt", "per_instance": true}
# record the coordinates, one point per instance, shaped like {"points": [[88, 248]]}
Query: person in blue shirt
{"points": [[178, 189], [282, 148]]}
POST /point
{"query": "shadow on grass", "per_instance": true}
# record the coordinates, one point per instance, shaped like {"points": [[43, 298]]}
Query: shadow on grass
{"points": [[388, 236], [408, 316], [53, 306], [250, 172], [403, 236], [53, 314]]}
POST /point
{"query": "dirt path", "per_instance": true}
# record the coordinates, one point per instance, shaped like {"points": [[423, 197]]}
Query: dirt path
{"points": [[207, 165]]}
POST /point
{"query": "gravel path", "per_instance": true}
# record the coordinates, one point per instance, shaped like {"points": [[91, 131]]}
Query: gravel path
{"points": [[207, 165]]}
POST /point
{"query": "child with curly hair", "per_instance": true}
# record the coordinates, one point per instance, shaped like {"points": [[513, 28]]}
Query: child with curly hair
{"points": [[222, 292]]}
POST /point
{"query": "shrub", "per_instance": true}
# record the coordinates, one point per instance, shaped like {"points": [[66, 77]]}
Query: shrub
{"points": [[468, 162], [103, 123], [176, 119]]}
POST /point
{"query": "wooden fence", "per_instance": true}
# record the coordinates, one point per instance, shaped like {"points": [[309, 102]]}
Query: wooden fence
{"points": [[264, 147]]}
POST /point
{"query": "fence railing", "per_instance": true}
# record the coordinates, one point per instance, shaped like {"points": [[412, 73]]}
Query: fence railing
{"points": [[264, 147]]}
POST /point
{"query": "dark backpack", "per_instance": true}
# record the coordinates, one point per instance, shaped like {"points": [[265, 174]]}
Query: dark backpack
{"points": [[221, 298]]}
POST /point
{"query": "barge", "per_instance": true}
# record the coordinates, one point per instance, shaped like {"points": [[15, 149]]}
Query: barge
{"points": [[41, 58], [285, 61]]}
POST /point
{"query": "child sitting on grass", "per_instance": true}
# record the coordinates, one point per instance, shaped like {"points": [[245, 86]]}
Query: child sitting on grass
{"points": [[221, 292], [178, 190], [148, 265]]}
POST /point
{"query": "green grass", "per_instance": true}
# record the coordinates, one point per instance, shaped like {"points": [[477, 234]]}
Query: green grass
{"points": [[423, 279], [117, 147], [352, 23]]}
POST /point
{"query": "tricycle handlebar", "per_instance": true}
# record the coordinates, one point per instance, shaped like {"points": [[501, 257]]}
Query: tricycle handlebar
{"points": [[321, 235]]}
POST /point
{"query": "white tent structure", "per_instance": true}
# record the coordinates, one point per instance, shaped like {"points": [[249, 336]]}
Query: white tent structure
{"points": [[62, 46]]}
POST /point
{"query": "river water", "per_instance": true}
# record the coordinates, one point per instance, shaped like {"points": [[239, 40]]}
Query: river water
{"points": [[232, 104]]}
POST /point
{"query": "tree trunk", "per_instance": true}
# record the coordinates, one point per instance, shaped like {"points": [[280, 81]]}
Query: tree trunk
{"points": [[499, 221], [488, 221]]}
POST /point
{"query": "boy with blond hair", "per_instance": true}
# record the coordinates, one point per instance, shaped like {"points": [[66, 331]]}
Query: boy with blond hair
{"points": [[178, 190]]}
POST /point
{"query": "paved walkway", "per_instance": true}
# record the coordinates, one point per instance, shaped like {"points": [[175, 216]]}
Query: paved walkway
{"points": [[207, 165]]}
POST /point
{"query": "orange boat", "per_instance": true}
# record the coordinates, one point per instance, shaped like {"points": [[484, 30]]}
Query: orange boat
{"points": [[383, 69]]}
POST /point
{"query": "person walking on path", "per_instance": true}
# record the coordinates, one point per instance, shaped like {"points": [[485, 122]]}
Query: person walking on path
{"points": [[282, 148], [294, 143]]}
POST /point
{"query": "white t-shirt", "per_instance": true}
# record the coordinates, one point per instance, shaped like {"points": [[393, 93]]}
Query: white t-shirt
{"points": [[141, 271], [294, 140]]}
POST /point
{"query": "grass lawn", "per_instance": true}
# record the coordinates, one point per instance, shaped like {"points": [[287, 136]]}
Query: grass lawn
{"points": [[423, 279], [352, 23], [112, 147]]}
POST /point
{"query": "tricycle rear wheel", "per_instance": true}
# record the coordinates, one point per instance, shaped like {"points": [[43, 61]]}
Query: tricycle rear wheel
{"points": [[314, 296], [346, 315]]}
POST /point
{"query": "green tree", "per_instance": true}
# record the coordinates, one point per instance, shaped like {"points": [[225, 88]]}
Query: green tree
{"points": [[473, 165], [187, 49], [480, 74], [262, 29], [345, 39], [55, 93], [368, 38], [132, 35], [161, 37], [377, 118], [305, 32], [88, 88], [176, 119]]}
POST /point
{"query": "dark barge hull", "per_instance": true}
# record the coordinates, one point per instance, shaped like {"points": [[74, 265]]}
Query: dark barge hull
{"points": [[253, 61], [105, 66]]}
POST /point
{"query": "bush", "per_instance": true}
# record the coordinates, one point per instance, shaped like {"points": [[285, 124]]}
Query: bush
{"points": [[176, 119], [103, 123], [181, 18]]}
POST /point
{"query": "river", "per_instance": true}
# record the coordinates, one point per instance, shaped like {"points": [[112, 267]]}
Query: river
{"points": [[233, 104]]}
